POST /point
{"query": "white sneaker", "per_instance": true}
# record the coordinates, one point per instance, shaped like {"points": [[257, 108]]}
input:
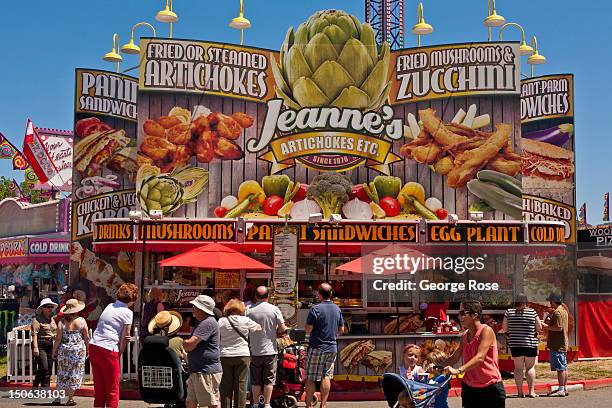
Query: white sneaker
{"points": [[558, 393]]}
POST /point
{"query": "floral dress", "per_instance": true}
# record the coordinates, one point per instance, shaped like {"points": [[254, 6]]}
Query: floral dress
{"points": [[71, 358]]}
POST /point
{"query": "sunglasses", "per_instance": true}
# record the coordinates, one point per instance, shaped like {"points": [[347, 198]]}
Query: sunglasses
{"points": [[48, 307]]}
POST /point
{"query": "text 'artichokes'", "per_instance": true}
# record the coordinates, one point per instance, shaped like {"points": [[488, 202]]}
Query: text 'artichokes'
{"points": [[332, 60]]}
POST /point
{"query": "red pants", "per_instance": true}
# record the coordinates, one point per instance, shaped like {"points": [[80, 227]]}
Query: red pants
{"points": [[106, 372]]}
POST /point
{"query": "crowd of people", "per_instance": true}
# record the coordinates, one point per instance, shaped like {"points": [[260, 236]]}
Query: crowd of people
{"points": [[228, 354]]}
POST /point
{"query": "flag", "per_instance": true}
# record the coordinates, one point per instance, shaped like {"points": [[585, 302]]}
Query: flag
{"points": [[37, 155], [606, 210], [582, 217], [15, 189]]}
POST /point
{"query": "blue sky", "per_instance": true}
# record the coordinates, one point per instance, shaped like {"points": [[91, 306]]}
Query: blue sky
{"points": [[43, 41]]}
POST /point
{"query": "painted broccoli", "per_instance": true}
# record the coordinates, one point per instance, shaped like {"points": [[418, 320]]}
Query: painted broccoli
{"points": [[330, 191]]}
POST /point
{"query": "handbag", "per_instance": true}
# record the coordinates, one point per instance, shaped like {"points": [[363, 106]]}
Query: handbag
{"points": [[245, 338]]}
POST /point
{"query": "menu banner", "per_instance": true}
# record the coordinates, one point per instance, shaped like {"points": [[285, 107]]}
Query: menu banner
{"points": [[164, 230], [455, 70], [483, 232], [548, 164], [48, 246], [206, 67], [115, 204], [103, 174], [12, 248], [106, 93], [285, 275], [413, 124], [543, 209], [345, 232]]}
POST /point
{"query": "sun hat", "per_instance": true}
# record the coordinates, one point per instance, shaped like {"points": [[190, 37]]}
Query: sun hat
{"points": [[72, 306], [205, 304], [45, 302], [171, 321]]}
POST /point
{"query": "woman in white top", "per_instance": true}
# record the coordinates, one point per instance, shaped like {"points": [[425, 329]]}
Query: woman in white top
{"points": [[108, 343], [234, 330]]}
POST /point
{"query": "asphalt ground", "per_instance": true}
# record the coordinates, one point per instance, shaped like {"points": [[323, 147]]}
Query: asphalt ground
{"points": [[599, 398]]}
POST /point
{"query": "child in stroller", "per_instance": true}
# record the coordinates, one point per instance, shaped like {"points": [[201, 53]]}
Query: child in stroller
{"points": [[290, 378], [405, 393]]}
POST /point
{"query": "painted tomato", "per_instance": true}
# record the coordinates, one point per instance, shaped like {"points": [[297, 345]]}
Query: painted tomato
{"points": [[390, 206], [220, 212], [272, 204]]}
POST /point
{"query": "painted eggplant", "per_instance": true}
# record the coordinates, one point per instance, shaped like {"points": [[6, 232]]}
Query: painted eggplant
{"points": [[558, 135]]}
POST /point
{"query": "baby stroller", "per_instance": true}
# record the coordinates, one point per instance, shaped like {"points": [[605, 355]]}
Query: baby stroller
{"points": [[421, 394], [161, 377], [290, 375]]}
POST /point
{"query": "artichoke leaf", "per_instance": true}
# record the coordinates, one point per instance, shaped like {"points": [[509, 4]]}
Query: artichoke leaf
{"points": [[337, 36], [332, 78], [382, 99], [347, 25], [301, 36], [192, 180], [289, 102], [377, 80], [289, 40], [319, 50], [307, 93], [368, 38], [354, 57], [316, 26], [357, 24], [296, 66], [351, 97], [278, 76], [145, 172]]}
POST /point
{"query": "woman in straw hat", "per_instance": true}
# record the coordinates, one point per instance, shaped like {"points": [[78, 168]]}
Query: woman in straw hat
{"points": [[150, 309], [70, 347], [43, 332], [168, 323]]}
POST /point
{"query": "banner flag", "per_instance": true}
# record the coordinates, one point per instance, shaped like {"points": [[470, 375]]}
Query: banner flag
{"points": [[37, 155], [582, 218], [606, 210]]}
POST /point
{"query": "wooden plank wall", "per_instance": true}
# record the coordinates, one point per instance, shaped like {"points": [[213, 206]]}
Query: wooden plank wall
{"points": [[226, 176]]}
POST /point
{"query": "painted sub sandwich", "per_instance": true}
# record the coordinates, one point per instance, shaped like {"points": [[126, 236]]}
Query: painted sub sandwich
{"points": [[546, 166], [354, 352], [95, 150]]}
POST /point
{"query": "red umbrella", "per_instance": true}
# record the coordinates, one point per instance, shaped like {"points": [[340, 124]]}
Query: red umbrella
{"points": [[214, 256], [385, 261]]}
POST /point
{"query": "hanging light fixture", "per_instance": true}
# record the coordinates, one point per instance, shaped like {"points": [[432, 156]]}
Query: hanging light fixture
{"points": [[113, 55], [524, 49], [167, 15], [131, 47], [536, 58], [493, 19], [240, 23], [421, 27]]}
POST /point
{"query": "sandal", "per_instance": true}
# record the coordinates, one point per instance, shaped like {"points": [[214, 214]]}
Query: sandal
{"points": [[533, 396], [71, 403]]}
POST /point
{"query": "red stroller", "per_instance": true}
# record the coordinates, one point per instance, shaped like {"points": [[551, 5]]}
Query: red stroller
{"points": [[290, 376]]}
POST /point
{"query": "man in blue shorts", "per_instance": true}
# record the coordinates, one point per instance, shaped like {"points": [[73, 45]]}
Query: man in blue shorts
{"points": [[324, 324], [557, 343]]}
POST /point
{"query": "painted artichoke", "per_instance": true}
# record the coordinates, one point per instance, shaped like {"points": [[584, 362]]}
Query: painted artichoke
{"points": [[168, 192], [332, 60], [160, 193]]}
